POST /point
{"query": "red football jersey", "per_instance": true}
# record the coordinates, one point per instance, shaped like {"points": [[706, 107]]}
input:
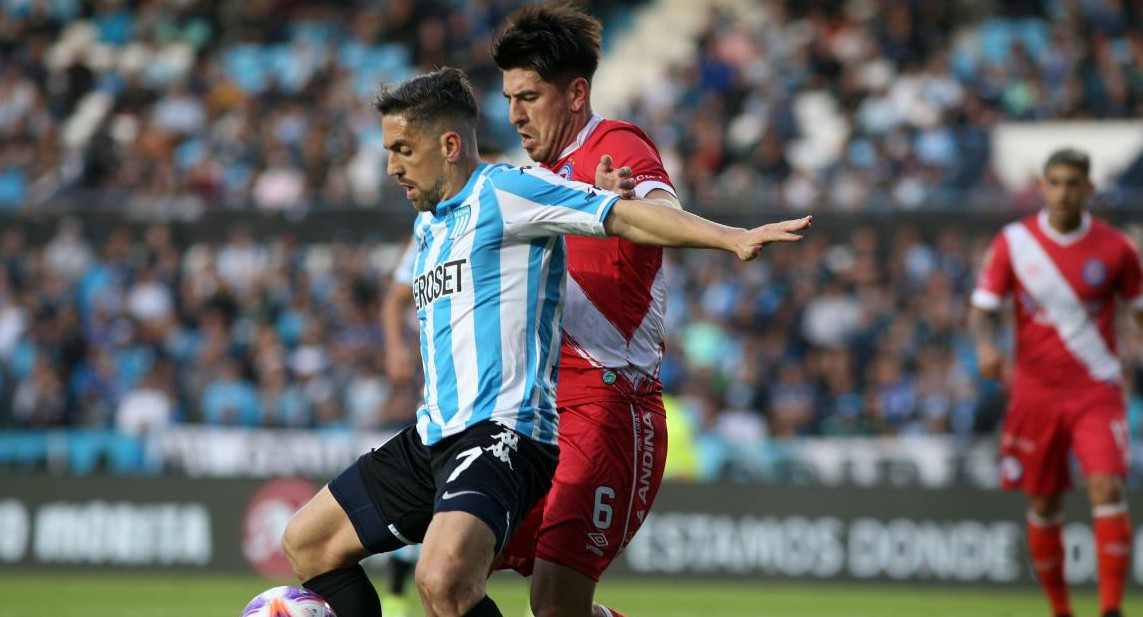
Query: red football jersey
{"points": [[616, 296], [1064, 287]]}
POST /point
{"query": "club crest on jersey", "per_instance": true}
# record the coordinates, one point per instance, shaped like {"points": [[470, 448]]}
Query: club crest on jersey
{"points": [[565, 171], [1094, 272], [460, 218]]}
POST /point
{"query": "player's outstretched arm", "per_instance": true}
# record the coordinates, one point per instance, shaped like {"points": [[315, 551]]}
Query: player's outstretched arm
{"points": [[650, 222], [982, 324]]}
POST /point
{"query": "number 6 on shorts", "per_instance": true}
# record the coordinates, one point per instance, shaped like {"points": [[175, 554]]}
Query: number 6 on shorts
{"points": [[602, 514]]}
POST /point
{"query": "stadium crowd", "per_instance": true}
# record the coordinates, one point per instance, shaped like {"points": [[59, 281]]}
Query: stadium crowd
{"points": [[861, 336], [197, 104], [169, 108]]}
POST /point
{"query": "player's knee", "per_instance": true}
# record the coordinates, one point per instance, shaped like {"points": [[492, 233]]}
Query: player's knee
{"points": [[1045, 507], [294, 545], [1105, 490], [309, 554], [303, 551], [448, 586]]}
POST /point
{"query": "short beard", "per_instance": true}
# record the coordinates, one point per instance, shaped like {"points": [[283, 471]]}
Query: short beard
{"points": [[434, 195]]}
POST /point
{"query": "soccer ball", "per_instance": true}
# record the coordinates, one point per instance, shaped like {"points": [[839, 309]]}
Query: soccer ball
{"points": [[287, 602]]}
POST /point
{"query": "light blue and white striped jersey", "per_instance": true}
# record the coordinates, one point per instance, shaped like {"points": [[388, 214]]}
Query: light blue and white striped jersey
{"points": [[488, 286]]}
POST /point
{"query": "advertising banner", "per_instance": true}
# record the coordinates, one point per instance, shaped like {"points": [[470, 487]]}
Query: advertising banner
{"points": [[907, 535]]}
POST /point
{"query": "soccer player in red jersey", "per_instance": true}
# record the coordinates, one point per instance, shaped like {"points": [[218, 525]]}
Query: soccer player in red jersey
{"points": [[1064, 269], [612, 426], [613, 431]]}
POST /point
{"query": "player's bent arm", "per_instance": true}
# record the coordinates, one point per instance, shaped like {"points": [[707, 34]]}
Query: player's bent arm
{"points": [[982, 326], [397, 301], [398, 358], [651, 222]]}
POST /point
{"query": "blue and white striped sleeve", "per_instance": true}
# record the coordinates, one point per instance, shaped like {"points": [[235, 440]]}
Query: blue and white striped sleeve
{"points": [[536, 203]]}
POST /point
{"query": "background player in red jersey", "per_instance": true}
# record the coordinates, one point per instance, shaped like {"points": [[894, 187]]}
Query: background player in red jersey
{"points": [[613, 431], [1064, 268]]}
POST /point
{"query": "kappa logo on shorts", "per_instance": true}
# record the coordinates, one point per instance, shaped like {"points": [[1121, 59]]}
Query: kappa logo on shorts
{"points": [[505, 447]]}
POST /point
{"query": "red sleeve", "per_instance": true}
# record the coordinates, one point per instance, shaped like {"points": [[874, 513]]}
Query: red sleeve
{"points": [[630, 149], [1131, 278], [996, 277]]}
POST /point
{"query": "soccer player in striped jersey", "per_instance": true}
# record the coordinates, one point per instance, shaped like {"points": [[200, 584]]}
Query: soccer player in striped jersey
{"points": [[488, 286], [1064, 268]]}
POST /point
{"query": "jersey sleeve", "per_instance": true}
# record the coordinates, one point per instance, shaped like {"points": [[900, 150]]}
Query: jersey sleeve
{"points": [[629, 149], [404, 272], [536, 203], [996, 277], [1131, 278]]}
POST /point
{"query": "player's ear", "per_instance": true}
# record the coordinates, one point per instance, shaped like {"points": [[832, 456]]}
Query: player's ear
{"points": [[579, 94], [451, 145]]}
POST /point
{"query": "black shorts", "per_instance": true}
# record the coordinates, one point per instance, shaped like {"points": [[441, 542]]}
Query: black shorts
{"points": [[489, 471]]}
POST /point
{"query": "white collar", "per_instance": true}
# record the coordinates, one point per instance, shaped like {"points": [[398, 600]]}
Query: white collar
{"points": [[584, 133], [1069, 238]]}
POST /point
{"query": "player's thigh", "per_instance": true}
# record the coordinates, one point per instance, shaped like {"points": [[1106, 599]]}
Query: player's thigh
{"points": [[612, 457], [1035, 445]]}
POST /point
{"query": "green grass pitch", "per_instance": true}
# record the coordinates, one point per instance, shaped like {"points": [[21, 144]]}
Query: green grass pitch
{"points": [[147, 595]]}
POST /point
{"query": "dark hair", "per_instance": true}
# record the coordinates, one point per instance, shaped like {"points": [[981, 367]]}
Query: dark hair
{"points": [[560, 42], [444, 94], [1073, 157]]}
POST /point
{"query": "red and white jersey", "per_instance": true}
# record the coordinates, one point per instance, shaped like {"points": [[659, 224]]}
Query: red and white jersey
{"points": [[616, 296], [1064, 287]]}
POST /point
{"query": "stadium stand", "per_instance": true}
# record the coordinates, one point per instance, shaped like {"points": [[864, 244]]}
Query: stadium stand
{"points": [[168, 109]]}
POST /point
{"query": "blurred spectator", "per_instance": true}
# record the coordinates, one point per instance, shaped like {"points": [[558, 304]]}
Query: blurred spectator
{"points": [[148, 408], [200, 104], [221, 105], [860, 336], [230, 399]]}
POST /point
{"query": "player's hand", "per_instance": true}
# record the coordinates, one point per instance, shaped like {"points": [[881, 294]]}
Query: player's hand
{"points": [[398, 363], [990, 361], [620, 181], [749, 242]]}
